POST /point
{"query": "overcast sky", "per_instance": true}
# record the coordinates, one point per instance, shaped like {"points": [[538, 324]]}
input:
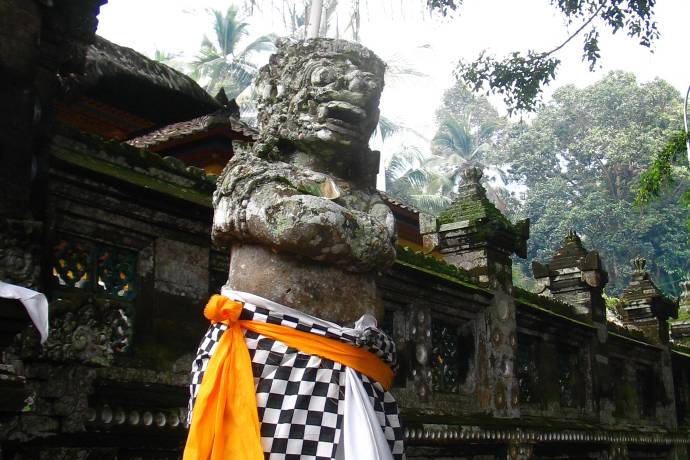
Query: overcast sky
{"points": [[430, 45]]}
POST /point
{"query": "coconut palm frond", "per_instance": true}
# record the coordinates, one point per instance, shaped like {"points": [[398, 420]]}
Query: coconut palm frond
{"points": [[433, 203], [386, 127], [262, 43], [220, 61], [229, 29]]}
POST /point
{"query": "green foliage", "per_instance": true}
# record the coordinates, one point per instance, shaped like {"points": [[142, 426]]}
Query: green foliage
{"points": [[410, 179], [523, 280], [444, 6], [659, 176], [164, 56], [386, 128], [468, 129], [520, 77], [611, 302], [580, 160]]}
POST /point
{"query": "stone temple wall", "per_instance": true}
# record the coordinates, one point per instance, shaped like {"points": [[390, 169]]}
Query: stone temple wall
{"points": [[486, 370]]}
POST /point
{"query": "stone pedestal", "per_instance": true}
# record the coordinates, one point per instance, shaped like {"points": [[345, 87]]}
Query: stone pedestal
{"points": [[317, 289]]}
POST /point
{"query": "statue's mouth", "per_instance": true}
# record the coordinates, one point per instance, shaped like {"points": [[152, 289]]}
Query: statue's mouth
{"points": [[342, 114]]}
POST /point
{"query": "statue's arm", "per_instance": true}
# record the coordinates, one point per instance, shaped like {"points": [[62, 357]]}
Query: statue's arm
{"points": [[286, 212]]}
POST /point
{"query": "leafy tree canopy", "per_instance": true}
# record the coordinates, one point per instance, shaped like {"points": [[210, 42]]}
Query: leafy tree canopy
{"points": [[580, 160], [521, 76]]}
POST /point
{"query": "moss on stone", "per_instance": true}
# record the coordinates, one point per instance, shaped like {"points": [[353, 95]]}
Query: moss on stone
{"points": [[552, 313], [419, 259], [548, 303], [625, 400], [683, 316], [428, 264], [134, 156], [472, 208], [628, 333], [145, 181]]}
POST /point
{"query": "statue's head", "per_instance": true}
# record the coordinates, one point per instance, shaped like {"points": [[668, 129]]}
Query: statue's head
{"points": [[320, 93]]}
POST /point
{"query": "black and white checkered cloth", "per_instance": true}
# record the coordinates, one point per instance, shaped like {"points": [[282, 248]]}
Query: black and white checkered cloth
{"points": [[300, 397]]}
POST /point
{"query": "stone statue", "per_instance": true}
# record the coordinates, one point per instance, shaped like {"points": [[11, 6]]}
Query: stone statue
{"points": [[299, 211]]}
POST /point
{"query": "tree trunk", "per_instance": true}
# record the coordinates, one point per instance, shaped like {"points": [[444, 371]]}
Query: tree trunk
{"points": [[315, 18]]}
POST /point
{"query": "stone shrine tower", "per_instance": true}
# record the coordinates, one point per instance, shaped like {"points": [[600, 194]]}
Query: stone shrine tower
{"points": [[576, 276]]}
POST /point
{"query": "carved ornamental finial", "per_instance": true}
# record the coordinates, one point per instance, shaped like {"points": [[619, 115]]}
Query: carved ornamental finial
{"points": [[222, 98], [574, 275], [572, 235], [471, 175], [639, 264]]}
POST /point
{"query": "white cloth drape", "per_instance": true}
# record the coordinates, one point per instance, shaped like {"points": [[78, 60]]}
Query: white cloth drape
{"points": [[361, 438], [35, 303]]}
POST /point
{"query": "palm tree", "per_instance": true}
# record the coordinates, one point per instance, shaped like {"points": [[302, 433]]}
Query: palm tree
{"points": [[221, 63], [459, 144], [411, 180], [462, 142]]}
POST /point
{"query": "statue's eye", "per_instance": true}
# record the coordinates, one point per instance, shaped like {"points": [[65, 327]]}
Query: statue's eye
{"points": [[322, 76]]}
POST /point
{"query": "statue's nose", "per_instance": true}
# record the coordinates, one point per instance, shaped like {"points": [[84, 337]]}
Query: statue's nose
{"points": [[358, 81]]}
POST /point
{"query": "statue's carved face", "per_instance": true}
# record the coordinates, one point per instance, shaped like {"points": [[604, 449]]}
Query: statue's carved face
{"points": [[323, 93]]}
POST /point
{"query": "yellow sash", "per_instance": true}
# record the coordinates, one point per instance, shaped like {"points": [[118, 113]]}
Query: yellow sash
{"points": [[225, 423]]}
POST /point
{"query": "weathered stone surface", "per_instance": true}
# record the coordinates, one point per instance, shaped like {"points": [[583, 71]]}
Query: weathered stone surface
{"points": [[475, 236], [680, 327], [280, 276], [644, 306], [306, 190], [181, 268], [576, 276], [88, 330], [19, 45]]}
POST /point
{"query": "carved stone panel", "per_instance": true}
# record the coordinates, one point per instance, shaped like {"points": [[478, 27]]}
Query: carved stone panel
{"points": [[452, 355], [20, 252], [83, 328]]}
